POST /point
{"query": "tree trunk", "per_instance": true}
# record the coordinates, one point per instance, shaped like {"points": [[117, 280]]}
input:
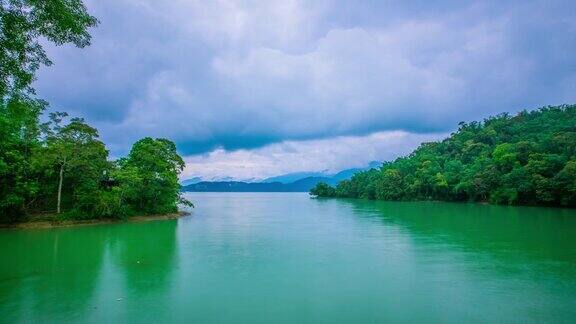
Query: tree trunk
{"points": [[60, 188]]}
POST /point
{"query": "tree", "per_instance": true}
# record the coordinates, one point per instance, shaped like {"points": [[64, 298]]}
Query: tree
{"points": [[75, 151], [565, 183], [22, 23], [19, 132], [322, 189], [153, 166]]}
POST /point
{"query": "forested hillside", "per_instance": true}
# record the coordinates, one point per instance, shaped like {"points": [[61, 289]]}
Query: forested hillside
{"points": [[527, 159]]}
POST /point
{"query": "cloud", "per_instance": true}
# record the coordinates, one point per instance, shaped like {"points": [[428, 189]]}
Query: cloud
{"points": [[237, 75], [238, 25], [354, 81], [332, 154]]}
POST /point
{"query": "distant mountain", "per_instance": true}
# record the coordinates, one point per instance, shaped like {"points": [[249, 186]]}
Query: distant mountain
{"points": [[291, 177], [196, 180], [190, 181], [342, 175], [238, 186], [293, 182], [302, 185]]}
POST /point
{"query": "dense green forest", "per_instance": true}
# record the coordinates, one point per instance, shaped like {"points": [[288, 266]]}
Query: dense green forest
{"points": [[526, 159], [60, 166]]}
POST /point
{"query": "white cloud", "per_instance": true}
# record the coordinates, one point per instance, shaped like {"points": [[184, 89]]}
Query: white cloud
{"points": [[332, 154], [409, 74], [237, 24]]}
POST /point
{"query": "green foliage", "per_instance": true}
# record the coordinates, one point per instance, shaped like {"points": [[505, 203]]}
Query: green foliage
{"points": [[74, 161], [65, 169], [527, 159], [149, 176], [22, 23], [322, 189], [19, 132]]}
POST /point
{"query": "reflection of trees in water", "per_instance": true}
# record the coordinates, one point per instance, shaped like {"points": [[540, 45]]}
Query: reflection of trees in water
{"points": [[58, 272], [537, 234], [49, 271], [145, 255]]}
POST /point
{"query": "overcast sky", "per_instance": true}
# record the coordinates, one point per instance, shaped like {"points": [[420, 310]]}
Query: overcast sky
{"points": [[250, 89]]}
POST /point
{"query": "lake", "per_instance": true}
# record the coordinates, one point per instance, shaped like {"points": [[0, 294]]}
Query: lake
{"points": [[287, 258]]}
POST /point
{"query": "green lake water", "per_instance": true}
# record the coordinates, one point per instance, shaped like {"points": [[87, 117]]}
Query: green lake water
{"points": [[287, 258]]}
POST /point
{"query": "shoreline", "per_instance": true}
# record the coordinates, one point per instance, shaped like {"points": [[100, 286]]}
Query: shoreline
{"points": [[44, 224]]}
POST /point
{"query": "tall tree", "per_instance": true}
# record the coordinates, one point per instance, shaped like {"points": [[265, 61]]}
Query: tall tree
{"points": [[18, 140], [76, 153]]}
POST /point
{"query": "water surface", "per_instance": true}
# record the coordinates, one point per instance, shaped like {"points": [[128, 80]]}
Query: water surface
{"points": [[286, 258]]}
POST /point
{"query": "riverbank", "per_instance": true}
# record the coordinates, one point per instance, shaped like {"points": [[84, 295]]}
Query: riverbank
{"points": [[44, 222]]}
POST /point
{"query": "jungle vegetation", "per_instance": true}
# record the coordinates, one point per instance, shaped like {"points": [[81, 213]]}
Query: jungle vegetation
{"points": [[60, 166], [526, 159]]}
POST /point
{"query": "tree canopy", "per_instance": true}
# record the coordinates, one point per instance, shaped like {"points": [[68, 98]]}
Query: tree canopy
{"points": [[153, 166], [527, 159]]}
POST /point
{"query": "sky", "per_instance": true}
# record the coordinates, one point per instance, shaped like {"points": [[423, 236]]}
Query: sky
{"points": [[252, 89]]}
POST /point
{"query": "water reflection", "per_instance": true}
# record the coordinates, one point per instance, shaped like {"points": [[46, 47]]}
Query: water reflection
{"points": [[72, 273], [510, 232], [145, 256], [40, 269], [488, 256]]}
